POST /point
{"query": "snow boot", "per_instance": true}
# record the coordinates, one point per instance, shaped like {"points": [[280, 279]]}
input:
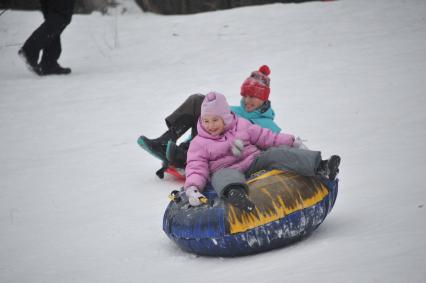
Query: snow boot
{"points": [[329, 168], [52, 69], [157, 147], [237, 196]]}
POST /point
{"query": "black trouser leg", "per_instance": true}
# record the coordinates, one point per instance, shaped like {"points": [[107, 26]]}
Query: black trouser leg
{"points": [[51, 53], [186, 116], [46, 35], [57, 15]]}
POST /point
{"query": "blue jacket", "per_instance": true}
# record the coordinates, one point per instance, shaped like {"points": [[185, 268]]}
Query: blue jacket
{"points": [[263, 117]]}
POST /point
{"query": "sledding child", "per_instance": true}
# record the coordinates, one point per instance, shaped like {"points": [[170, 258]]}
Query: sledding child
{"points": [[228, 149], [255, 107]]}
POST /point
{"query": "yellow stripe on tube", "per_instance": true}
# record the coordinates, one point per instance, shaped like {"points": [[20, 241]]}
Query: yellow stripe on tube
{"points": [[276, 194]]}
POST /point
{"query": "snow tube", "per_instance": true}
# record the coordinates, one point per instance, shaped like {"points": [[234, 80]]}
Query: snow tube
{"points": [[288, 207]]}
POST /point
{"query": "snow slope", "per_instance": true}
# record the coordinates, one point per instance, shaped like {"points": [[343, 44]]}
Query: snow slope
{"points": [[79, 201]]}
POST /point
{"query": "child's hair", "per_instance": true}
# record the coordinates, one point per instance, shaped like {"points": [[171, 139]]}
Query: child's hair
{"points": [[215, 104], [257, 85]]}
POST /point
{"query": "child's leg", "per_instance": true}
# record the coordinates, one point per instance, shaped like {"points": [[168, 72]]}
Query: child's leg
{"points": [[301, 161], [226, 177], [230, 185]]}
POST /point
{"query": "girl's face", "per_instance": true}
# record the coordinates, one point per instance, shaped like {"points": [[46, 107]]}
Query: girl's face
{"points": [[252, 103], [213, 124]]}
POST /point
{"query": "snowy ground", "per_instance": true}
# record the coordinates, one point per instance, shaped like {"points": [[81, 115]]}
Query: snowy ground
{"points": [[79, 200]]}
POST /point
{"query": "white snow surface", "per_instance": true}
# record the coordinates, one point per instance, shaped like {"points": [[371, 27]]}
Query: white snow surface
{"points": [[80, 202]]}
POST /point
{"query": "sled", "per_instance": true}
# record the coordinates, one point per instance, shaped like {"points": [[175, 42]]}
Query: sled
{"points": [[171, 170]]}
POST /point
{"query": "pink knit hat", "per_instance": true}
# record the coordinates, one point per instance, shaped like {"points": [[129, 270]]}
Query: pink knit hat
{"points": [[215, 104]]}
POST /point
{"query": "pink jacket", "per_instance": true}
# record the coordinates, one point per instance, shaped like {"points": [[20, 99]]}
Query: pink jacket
{"points": [[207, 153]]}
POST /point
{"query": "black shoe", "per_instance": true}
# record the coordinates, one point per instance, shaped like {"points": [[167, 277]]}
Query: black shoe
{"points": [[237, 196], [323, 170], [54, 69], [333, 166], [176, 155], [30, 60], [329, 168]]}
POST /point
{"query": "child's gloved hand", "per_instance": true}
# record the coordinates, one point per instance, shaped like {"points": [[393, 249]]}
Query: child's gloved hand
{"points": [[237, 147], [298, 143], [194, 196]]}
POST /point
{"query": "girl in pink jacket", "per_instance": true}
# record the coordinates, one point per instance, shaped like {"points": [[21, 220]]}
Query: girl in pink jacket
{"points": [[228, 149]]}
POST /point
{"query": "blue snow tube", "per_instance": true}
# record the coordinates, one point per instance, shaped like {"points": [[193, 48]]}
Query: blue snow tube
{"points": [[288, 207]]}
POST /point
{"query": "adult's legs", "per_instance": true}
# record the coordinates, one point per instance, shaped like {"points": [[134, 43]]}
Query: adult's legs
{"points": [[187, 113], [46, 37], [185, 117], [191, 111], [43, 36], [177, 154], [59, 11], [51, 52]]}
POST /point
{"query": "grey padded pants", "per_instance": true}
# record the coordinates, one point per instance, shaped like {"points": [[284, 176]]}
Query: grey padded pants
{"points": [[301, 161]]}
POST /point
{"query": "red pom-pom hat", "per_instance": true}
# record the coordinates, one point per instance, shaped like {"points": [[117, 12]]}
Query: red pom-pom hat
{"points": [[257, 85]]}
